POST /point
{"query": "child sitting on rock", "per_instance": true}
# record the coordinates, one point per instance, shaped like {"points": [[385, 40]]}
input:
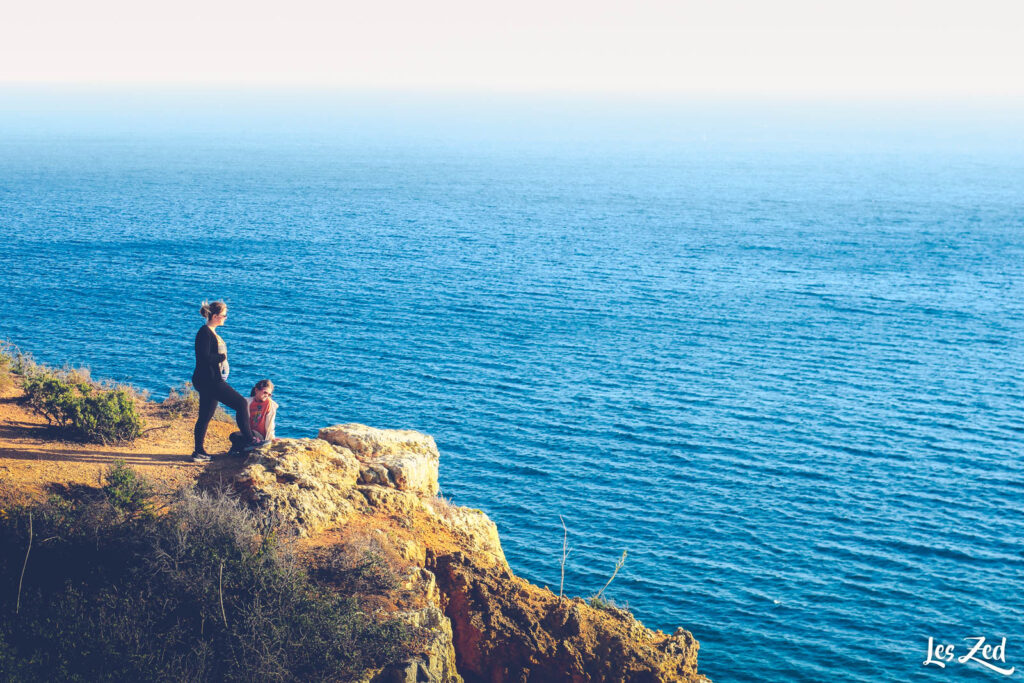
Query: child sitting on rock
{"points": [[262, 410]]}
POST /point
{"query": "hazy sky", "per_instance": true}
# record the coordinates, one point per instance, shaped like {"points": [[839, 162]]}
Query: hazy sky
{"points": [[824, 48]]}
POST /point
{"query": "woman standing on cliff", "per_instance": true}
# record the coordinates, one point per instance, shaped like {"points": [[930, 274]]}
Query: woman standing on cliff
{"points": [[210, 378]]}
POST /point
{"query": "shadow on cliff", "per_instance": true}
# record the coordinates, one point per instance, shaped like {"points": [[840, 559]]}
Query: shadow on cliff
{"points": [[20, 429], [74, 453], [219, 474]]}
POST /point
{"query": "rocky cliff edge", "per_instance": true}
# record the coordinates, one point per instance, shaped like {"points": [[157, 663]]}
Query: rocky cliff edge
{"points": [[359, 484]]}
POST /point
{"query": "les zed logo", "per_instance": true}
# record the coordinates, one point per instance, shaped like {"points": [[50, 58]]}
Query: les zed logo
{"points": [[981, 653]]}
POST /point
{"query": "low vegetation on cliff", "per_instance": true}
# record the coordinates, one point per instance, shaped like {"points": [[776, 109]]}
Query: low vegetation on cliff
{"points": [[205, 590], [78, 407]]}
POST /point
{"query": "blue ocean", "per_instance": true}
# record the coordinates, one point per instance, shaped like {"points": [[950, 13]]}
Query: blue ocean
{"points": [[779, 363]]}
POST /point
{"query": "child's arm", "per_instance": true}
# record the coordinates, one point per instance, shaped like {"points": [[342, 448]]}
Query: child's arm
{"points": [[270, 421]]}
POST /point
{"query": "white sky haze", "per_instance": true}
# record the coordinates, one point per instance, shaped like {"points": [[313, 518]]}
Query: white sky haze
{"points": [[869, 48]]}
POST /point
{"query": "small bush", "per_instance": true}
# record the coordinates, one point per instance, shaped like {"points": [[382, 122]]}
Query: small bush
{"points": [[51, 396], [221, 415], [17, 361], [361, 567], [81, 375], [82, 409], [444, 507], [601, 604], [182, 401], [107, 416], [6, 370], [610, 606], [127, 490]]}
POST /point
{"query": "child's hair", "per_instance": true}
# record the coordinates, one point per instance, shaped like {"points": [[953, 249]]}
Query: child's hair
{"points": [[262, 384], [208, 310]]}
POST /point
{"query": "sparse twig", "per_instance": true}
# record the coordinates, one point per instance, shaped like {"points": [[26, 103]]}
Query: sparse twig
{"points": [[17, 605], [220, 589], [153, 429], [618, 566], [565, 555]]}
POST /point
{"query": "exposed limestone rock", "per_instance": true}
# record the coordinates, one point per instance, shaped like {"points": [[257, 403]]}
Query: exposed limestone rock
{"points": [[476, 529], [399, 458], [367, 441], [303, 481], [424, 583], [390, 500], [412, 551], [438, 664]]}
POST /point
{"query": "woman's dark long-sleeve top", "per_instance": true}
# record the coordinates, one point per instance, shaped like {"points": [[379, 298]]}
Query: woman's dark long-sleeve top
{"points": [[208, 359]]}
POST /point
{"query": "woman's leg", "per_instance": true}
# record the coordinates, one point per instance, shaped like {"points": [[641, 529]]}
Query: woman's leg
{"points": [[235, 401], [207, 407]]}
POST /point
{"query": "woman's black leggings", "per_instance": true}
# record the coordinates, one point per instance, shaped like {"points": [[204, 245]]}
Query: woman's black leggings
{"points": [[209, 397]]}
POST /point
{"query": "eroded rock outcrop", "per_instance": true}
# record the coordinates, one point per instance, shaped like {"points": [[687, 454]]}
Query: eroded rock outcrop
{"points": [[401, 458], [311, 483], [485, 624], [473, 527], [305, 482], [438, 665]]}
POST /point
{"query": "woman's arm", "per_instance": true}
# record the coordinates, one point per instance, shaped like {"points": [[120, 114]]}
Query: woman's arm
{"points": [[215, 356], [206, 347]]}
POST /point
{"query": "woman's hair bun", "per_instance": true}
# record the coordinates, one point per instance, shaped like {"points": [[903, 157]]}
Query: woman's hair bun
{"points": [[208, 310]]}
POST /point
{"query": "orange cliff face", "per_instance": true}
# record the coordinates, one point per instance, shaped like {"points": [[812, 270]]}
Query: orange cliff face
{"points": [[359, 485], [507, 629]]}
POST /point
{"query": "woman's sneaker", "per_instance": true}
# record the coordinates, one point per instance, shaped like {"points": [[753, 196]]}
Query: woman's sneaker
{"points": [[200, 457]]}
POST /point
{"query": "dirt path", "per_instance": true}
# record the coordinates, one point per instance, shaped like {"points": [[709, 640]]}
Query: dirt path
{"points": [[34, 461]]}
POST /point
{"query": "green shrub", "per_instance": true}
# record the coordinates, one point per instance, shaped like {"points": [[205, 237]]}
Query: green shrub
{"points": [[81, 408], [127, 490], [206, 592], [107, 416], [51, 396]]}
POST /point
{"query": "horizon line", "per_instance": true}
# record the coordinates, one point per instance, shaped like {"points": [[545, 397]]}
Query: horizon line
{"points": [[965, 100]]}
